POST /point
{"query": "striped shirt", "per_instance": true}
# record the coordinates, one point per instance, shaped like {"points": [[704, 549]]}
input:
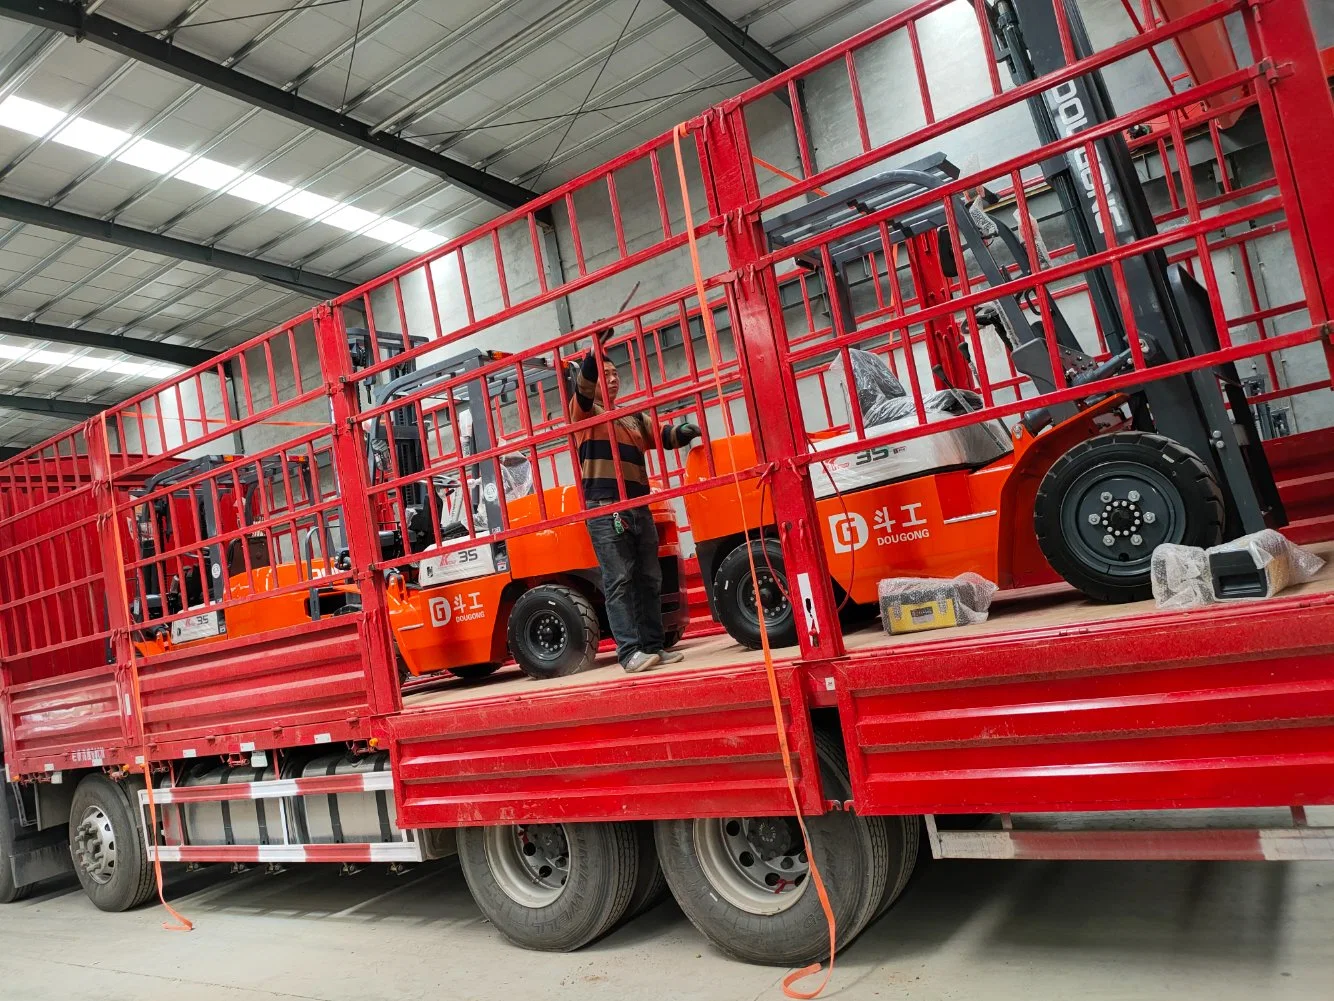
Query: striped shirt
{"points": [[634, 437]]}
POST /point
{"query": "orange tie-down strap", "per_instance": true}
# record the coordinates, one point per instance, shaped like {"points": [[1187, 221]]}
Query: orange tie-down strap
{"points": [[715, 358]]}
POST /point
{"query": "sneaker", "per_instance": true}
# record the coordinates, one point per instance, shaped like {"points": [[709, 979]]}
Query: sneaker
{"points": [[641, 661], [671, 657]]}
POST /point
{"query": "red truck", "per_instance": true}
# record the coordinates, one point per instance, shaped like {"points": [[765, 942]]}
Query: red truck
{"points": [[734, 778]]}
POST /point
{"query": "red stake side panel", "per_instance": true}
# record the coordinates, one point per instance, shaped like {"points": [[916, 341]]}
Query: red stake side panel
{"points": [[691, 745], [1217, 708]]}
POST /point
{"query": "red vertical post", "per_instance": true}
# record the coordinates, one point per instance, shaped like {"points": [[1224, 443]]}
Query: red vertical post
{"points": [[1302, 118], [354, 484], [109, 537], [776, 424]]}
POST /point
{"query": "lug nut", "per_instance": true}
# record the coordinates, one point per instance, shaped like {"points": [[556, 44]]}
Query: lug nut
{"points": [[1106, 496], [1108, 540], [1137, 540], [1149, 517], [1132, 496], [1094, 518]]}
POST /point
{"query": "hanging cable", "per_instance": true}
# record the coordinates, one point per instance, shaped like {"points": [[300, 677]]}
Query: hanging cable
{"points": [[352, 56], [587, 97]]}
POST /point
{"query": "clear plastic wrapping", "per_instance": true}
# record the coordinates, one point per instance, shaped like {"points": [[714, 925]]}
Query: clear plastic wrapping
{"points": [[911, 603], [1182, 576], [880, 395]]}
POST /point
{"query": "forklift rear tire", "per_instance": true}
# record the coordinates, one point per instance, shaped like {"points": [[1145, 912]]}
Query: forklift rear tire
{"points": [[737, 604], [553, 632], [743, 882], [107, 845], [553, 887], [1105, 505], [9, 891]]}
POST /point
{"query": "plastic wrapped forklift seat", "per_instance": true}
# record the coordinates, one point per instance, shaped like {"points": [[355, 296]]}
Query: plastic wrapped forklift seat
{"points": [[886, 408]]}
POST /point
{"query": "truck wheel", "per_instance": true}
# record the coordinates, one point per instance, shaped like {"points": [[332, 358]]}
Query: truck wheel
{"points": [[107, 845], [9, 891], [474, 671], [651, 884], [743, 882], [553, 632], [906, 836], [554, 887], [739, 605], [1107, 503]]}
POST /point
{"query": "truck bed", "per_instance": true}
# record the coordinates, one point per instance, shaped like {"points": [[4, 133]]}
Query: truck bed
{"points": [[1055, 703], [1051, 611]]}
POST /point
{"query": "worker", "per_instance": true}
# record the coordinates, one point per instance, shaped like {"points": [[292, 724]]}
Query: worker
{"points": [[626, 542]]}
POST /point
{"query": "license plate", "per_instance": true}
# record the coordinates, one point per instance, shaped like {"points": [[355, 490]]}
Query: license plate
{"points": [[195, 627]]}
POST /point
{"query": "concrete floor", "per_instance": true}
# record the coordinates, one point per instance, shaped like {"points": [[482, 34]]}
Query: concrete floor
{"points": [[967, 930]]}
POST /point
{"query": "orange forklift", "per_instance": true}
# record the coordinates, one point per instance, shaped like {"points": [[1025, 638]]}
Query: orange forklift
{"points": [[1078, 491], [535, 597]]}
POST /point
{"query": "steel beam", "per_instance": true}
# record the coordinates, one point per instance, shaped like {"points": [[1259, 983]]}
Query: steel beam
{"points": [[163, 54], [725, 33], [176, 354], [54, 406], [316, 286]]}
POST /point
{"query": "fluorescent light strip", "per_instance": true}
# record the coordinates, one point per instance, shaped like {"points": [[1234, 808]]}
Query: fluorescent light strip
{"points": [[92, 137], [90, 363]]}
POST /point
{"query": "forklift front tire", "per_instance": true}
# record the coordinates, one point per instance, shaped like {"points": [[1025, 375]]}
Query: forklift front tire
{"points": [[1105, 505], [739, 604], [553, 631]]}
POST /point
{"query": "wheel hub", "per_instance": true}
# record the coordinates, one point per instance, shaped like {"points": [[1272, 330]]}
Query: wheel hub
{"points": [[548, 634], [1121, 512], [758, 864], [94, 843], [531, 862], [768, 596]]}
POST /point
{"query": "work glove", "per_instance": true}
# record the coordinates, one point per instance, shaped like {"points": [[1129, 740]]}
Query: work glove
{"points": [[685, 434]]}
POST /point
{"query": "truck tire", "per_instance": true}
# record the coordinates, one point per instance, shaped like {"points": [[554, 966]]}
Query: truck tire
{"points": [[739, 606], [1109, 491], [9, 891], [107, 845], [725, 874], [651, 884], [553, 887], [906, 836], [553, 631]]}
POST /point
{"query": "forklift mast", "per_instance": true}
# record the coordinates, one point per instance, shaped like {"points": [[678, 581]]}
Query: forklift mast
{"points": [[1170, 310]]}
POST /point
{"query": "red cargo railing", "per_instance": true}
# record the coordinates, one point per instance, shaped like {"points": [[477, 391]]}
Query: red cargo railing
{"points": [[232, 516]]}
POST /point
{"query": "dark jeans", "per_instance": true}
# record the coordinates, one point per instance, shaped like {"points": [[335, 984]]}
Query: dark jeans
{"points": [[631, 579]]}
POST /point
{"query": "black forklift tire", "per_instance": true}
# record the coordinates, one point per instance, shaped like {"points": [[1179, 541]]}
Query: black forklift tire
{"points": [[473, 672], [1122, 487], [651, 884], [10, 892], [107, 846], [603, 868], [854, 858], [734, 593], [553, 631]]}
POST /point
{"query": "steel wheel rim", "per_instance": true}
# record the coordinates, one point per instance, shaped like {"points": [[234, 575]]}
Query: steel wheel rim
{"points": [[547, 635], [531, 863], [771, 596], [94, 843], [1121, 501], [757, 864]]}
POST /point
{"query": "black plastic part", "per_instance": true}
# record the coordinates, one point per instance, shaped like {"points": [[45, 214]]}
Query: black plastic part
{"points": [[1235, 576]]}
